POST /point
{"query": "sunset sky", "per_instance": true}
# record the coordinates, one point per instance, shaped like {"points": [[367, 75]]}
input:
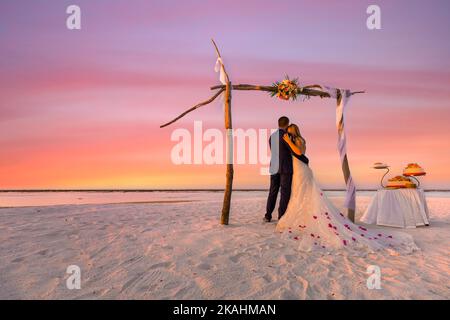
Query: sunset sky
{"points": [[82, 108]]}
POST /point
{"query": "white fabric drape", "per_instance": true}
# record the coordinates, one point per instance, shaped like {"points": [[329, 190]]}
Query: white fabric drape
{"points": [[220, 68], [350, 198]]}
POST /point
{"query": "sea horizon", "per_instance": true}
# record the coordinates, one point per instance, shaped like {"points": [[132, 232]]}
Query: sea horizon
{"points": [[186, 190]]}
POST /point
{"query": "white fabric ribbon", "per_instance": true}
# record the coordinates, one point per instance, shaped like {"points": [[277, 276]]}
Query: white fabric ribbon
{"points": [[350, 198], [220, 68]]}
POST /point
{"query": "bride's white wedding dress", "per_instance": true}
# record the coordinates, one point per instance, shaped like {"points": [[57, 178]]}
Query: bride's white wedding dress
{"points": [[316, 224]]}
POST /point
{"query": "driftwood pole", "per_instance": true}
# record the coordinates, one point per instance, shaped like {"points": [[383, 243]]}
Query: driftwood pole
{"points": [[230, 171], [224, 219], [345, 165]]}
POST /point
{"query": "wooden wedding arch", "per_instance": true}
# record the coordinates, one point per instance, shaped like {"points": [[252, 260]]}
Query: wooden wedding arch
{"points": [[227, 87]]}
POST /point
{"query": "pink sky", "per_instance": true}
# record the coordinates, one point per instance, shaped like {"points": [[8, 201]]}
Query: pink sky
{"points": [[82, 109]]}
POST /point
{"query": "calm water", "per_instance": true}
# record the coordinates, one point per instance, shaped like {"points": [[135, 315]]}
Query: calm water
{"points": [[22, 199]]}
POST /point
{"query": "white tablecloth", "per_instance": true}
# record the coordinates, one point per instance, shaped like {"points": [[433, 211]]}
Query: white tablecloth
{"points": [[404, 208]]}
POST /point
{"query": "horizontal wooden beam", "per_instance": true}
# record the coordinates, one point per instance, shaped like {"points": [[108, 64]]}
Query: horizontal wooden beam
{"points": [[310, 90]]}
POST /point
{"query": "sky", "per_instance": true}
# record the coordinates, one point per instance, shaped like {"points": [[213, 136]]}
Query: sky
{"points": [[81, 109]]}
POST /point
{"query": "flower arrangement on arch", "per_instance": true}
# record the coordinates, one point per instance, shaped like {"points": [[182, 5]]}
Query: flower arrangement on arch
{"points": [[286, 89]]}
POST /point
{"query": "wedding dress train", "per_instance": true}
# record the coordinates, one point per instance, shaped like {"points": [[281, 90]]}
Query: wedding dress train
{"points": [[317, 225]]}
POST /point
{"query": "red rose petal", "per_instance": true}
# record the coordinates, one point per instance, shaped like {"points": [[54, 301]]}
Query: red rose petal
{"points": [[295, 238], [330, 225], [312, 235], [353, 238], [315, 217], [345, 242]]}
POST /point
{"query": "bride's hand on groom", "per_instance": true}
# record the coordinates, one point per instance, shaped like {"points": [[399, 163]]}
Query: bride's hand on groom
{"points": [[287, 138], [292, 145]]}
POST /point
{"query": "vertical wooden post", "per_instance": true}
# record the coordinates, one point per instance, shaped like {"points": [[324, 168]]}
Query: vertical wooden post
{"points": [[346, 171], [345, 165], [230, 171], [229, 132]]}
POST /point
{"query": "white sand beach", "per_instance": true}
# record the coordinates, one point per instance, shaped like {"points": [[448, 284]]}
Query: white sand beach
{"points": [[171, 246]]}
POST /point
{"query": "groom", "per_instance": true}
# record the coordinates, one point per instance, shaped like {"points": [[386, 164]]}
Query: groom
{"points": [[280, 170]]}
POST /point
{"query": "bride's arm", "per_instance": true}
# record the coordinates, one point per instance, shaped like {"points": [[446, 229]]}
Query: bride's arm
{"points": [[292, 145]]}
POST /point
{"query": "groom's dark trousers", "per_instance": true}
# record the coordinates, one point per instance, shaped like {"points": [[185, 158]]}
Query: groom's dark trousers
{"points": [[281, 174]]}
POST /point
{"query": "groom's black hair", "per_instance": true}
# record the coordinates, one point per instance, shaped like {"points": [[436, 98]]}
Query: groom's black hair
{"points": [[283, 122]]}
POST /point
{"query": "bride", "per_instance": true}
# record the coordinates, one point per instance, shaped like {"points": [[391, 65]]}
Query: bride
{"points": [[316, 224]]}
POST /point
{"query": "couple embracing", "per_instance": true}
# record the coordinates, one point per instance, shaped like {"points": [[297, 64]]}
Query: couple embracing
{"points": [[305, 214]]}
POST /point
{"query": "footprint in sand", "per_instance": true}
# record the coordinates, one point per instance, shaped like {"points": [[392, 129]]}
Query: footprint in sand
{"points": [[203, 266], [43, 252], [288, 258], [236, 257], [131, 282], [161, 265]]}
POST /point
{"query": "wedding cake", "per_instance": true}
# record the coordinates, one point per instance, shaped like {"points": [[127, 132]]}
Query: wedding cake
{"points": [[400, 182], [413, 169]]}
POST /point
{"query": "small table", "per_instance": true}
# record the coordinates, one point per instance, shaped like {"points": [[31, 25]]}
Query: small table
{"points": [[403, 208]]}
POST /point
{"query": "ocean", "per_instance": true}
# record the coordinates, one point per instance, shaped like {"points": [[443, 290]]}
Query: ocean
{"points": [[10, 199]]}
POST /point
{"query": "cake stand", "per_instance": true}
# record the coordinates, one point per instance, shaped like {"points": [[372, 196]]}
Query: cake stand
{"points": [[414, 175], [387, 171]]}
